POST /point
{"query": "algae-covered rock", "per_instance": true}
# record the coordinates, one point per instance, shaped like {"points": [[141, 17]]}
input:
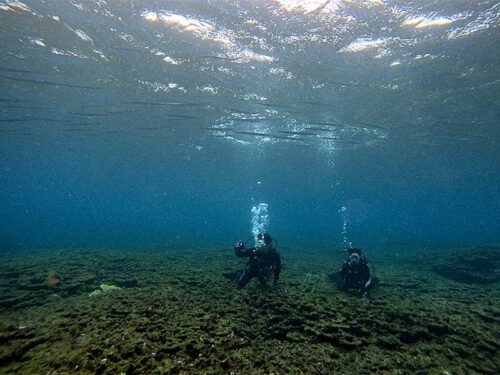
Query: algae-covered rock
{"points": [[186, 318], [389, 342], [95, 293], [126, 283], [104, 288], [480, 265], [108, 287]]}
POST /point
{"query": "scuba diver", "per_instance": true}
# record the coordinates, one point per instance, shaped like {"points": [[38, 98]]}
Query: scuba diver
{"points": [[263, 261], [354, 275]]}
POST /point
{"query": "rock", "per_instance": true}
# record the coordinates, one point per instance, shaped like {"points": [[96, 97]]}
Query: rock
{"points": [[480, 265], [389, 342], [108, 287], [126, 283], [95, 293], [104, 289]]}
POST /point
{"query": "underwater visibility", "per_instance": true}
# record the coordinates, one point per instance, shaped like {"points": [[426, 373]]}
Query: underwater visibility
{"points": [[249, 187]]}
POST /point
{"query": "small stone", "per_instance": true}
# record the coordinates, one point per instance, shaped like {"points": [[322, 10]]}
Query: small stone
{"points": [[95, 293]]}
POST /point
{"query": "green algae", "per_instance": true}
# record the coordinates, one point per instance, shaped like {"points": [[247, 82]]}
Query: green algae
{"points": [[108, 287], [103, 289]]}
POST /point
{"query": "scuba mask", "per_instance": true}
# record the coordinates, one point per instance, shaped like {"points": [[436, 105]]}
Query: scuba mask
{"points": [[354, 260]]}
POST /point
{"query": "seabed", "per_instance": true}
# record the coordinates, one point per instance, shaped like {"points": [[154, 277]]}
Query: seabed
{"points": [[177, 311]]}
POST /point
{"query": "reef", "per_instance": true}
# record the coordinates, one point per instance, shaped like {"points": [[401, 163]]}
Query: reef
{"points": [[178, 312], [480, 265]]}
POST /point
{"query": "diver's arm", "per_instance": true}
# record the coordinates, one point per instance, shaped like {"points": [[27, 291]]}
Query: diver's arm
{"points": [[243, 252], [365, 276], [365, 271]]}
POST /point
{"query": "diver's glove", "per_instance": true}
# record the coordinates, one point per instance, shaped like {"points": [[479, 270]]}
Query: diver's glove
{"points": [[240, 245]]}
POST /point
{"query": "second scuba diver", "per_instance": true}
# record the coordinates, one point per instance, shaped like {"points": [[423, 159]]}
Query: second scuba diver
{"points": [[263, 261], [354, 275]]}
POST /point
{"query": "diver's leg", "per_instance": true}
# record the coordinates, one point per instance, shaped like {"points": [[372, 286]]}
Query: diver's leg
{"points": [[245, 278], [263, 279], [343, 275]]}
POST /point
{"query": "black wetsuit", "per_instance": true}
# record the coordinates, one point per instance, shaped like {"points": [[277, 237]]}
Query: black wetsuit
{"points": [[355, 273], [262, 261]]}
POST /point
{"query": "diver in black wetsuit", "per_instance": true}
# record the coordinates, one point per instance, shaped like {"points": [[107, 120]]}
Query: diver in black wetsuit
{"points": [[263, 260], [354, 274]]}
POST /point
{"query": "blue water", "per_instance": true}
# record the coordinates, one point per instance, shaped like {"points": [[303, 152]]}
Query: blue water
{"points": [[154, 123]]}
